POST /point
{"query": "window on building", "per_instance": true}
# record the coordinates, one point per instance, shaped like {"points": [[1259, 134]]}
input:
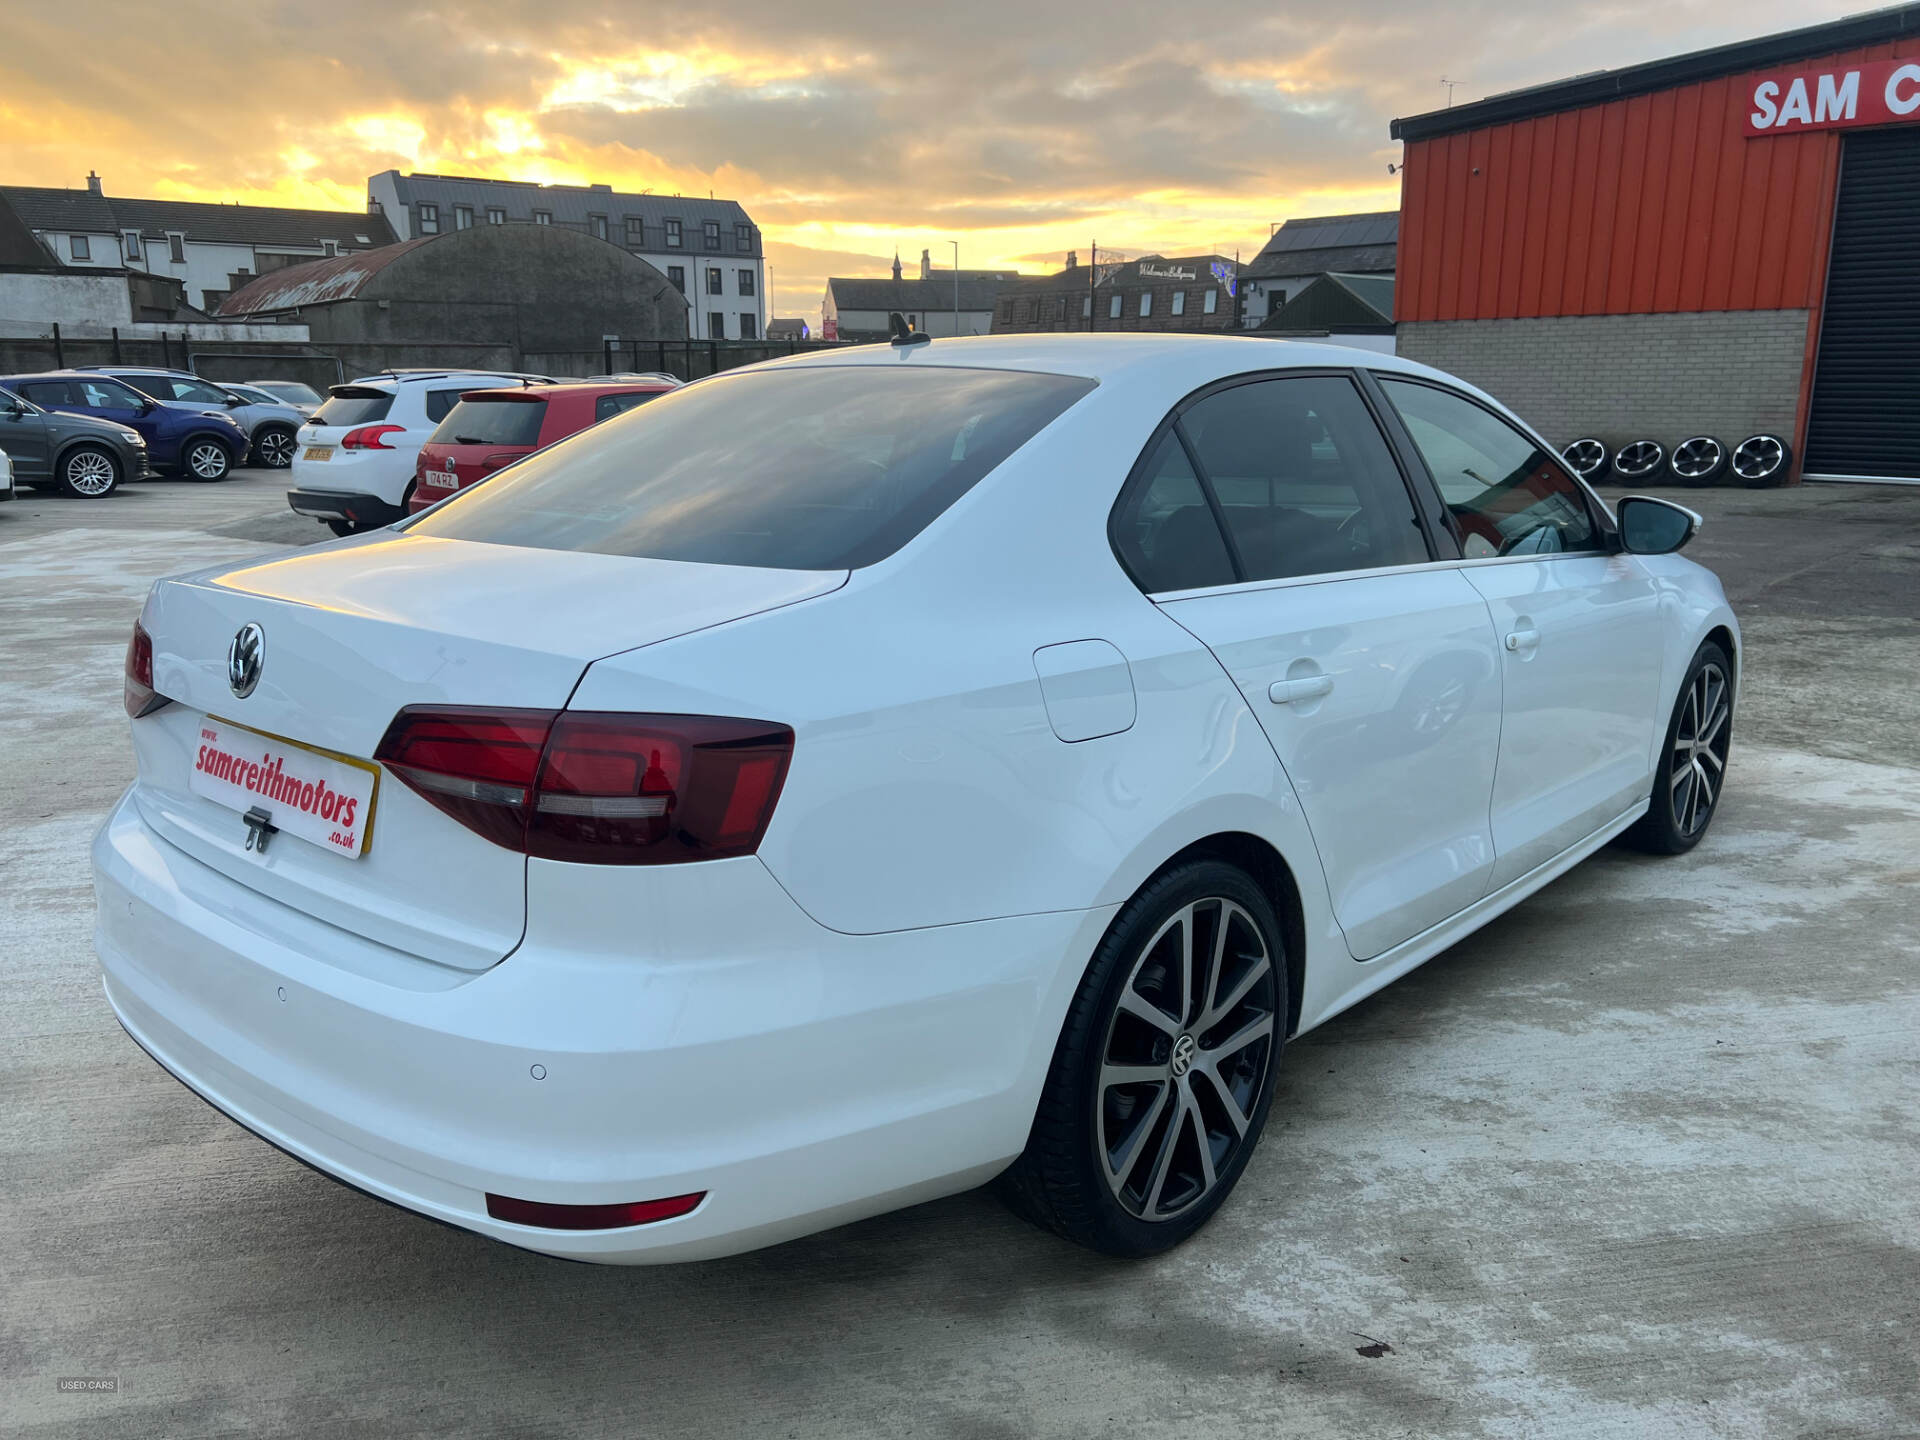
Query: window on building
{"points": [[1179, 302], [1146, 303], [743, 238], [463, 217], [636, 233], [429, 219], [716, 326], [714, 282], [1113, 306], [1506, 495], [177, 248], [710, 230], [677, 274], [747, 326], [599, 226], [80, 247], [673, 234], [543, 217], [496, 215], [1213, 302], [746, 282], [1086, 307]]}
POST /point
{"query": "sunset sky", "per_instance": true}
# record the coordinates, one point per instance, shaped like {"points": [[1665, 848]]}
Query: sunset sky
{"points": [[847, 130]]}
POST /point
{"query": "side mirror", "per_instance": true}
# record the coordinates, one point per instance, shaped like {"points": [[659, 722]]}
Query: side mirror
{"points": [[1649, 526], [234, 400]]}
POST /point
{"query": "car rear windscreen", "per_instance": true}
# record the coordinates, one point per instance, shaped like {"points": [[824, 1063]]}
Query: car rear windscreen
{"points": [[354, 407], [816, 468], [492, 422]]}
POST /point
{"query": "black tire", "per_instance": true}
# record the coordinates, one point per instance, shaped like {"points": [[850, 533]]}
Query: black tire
{"points": [[1639, 462], [1675, 822], [1761, 461], [1060, 1182], [204, 458], [1589, 458], [273, 446], [89, 472], [1699, 460]]}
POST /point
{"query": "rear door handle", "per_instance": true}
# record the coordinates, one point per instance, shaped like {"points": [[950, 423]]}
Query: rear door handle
{"points": [[1312, 687], [1522, 639]]}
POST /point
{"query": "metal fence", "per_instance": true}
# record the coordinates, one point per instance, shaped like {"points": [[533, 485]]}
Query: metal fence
{"points": [[684, 359]]}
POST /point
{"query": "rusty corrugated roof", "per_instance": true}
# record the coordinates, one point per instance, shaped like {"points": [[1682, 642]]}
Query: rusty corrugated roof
{"points": [[319, 282]]}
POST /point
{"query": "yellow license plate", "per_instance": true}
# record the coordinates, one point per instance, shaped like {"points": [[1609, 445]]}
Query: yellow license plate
{"points": [[318, 452]]}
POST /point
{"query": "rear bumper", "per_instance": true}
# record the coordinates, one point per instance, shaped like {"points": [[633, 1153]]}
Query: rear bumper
{"points": [[800, 1077], [367, 512]]}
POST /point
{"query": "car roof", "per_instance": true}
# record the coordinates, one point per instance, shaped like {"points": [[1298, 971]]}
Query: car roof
{"points": [[409, 376], [589, 389]]}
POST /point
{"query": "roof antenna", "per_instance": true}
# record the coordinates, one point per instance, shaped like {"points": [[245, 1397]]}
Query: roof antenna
{"points": [[902, 336]]}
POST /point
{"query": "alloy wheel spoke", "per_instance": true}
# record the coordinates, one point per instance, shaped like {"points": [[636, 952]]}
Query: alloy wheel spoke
{"points": [[1112, 1075], [1163, 1161], [1223, 1008], [1236, 1117], [1141, 1008], [1253, 1030], [1706, 782], [1130, 1155], [1207, 1176]]}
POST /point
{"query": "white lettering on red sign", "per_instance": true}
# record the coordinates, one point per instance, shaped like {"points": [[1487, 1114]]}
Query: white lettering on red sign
{"points": [[1872, 93]]}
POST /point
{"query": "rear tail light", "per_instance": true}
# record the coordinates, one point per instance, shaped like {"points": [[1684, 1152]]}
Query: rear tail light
{"points": [[138, 693], [591, 1217], [595, 788], [370, 437]]}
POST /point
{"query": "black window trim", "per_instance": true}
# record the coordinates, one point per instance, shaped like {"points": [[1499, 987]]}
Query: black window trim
{"points": [[1597, 509], [1137, 478]]}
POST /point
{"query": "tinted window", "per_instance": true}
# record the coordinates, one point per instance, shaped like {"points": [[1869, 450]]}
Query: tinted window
{"points": [[608, 406], [493, 422], [1163, 528], [1507, 496], [292, 390], [440, 403], [840, 467], [175, 387], [48, 392], [354, 407], [1304, 478], [105, 394]]}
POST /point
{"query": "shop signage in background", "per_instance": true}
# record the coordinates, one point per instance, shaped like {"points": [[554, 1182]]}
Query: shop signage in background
{"points": [[1874, 92], [1150, 271]]}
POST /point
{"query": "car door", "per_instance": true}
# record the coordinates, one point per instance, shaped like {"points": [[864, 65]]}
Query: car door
{"points": [[23, 435], [1578, 623], [1278, 506], [106, 398]]}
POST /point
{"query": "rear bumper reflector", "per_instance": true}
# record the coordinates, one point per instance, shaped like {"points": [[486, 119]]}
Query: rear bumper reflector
{"points": [[591, 1217]]}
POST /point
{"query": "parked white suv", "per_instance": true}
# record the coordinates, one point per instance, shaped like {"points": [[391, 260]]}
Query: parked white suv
{"points": [[354, 460]]}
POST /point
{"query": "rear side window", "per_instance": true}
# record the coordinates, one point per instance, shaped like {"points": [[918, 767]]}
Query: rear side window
{"points": [[608, 406], [1164, 529], [833, 467], [48, 392], [440, 403], [354, 407], [493, 422]]}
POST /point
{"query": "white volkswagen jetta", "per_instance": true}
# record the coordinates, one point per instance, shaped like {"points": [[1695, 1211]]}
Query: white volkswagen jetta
{"points": [[848, 780]]}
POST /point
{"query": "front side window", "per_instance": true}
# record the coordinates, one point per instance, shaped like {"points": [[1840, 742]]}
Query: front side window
{"points": [[1304, 481], [714, 283], [104, 394], [429, 219], [673, 234], [745, 277], [1506, 495], [841, 466]]}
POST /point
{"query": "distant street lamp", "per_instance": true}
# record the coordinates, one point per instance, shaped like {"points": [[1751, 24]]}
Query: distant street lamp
{"points": [[956, 287]]}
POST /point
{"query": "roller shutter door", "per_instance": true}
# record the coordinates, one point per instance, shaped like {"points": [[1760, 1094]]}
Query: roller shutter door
{"points": [[1865, 421]]}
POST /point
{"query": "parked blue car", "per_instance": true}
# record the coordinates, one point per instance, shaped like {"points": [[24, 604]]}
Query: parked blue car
{"points": [[200, 444]]}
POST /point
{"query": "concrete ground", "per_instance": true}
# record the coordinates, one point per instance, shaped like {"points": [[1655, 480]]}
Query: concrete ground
{"points": [[1640, 1158]]}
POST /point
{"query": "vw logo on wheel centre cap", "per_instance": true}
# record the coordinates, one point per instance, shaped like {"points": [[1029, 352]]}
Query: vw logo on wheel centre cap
{"points": [[245, 657]]}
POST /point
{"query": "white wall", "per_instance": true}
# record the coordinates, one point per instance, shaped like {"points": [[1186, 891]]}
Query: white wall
{"points": [[729, 302], [30, 303]]}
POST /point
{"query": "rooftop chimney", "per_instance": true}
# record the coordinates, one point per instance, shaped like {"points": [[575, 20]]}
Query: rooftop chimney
{"points": [[93, 183], [926, 265], [896, 264], [1073, 258]]}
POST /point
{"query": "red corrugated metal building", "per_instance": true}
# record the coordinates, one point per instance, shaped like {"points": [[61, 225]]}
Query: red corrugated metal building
{"points": [[1722, 243]]}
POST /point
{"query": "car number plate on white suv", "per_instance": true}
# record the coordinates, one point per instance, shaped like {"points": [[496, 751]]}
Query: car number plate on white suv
{"points": [[318, 452], [319, 798]]}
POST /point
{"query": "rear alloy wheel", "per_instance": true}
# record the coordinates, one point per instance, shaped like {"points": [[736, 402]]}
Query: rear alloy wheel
{"points": [[273, 447], [1688, 784], [1164, 1072], [206, 460], [89, 473], [1587, 458], [1638, 460], [1698, 461], [1761, 460]]}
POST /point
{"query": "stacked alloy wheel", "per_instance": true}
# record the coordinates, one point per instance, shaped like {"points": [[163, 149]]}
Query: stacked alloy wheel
{"points": [[1589, 458], [1699, 460], [1760, 461], [1639, 461]]}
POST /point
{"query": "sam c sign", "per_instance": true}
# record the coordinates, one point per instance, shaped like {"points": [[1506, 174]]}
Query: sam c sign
{"points": [[1874, 92]]}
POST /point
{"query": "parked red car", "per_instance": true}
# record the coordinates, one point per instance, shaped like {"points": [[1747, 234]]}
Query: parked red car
{"points": [[490, 429]]}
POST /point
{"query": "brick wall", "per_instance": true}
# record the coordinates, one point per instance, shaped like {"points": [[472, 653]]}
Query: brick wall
{"points": [[1726, 373]]}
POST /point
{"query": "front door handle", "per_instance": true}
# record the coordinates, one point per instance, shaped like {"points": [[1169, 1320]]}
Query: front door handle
{"points": [[1312, 687], [1523, 639]]}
